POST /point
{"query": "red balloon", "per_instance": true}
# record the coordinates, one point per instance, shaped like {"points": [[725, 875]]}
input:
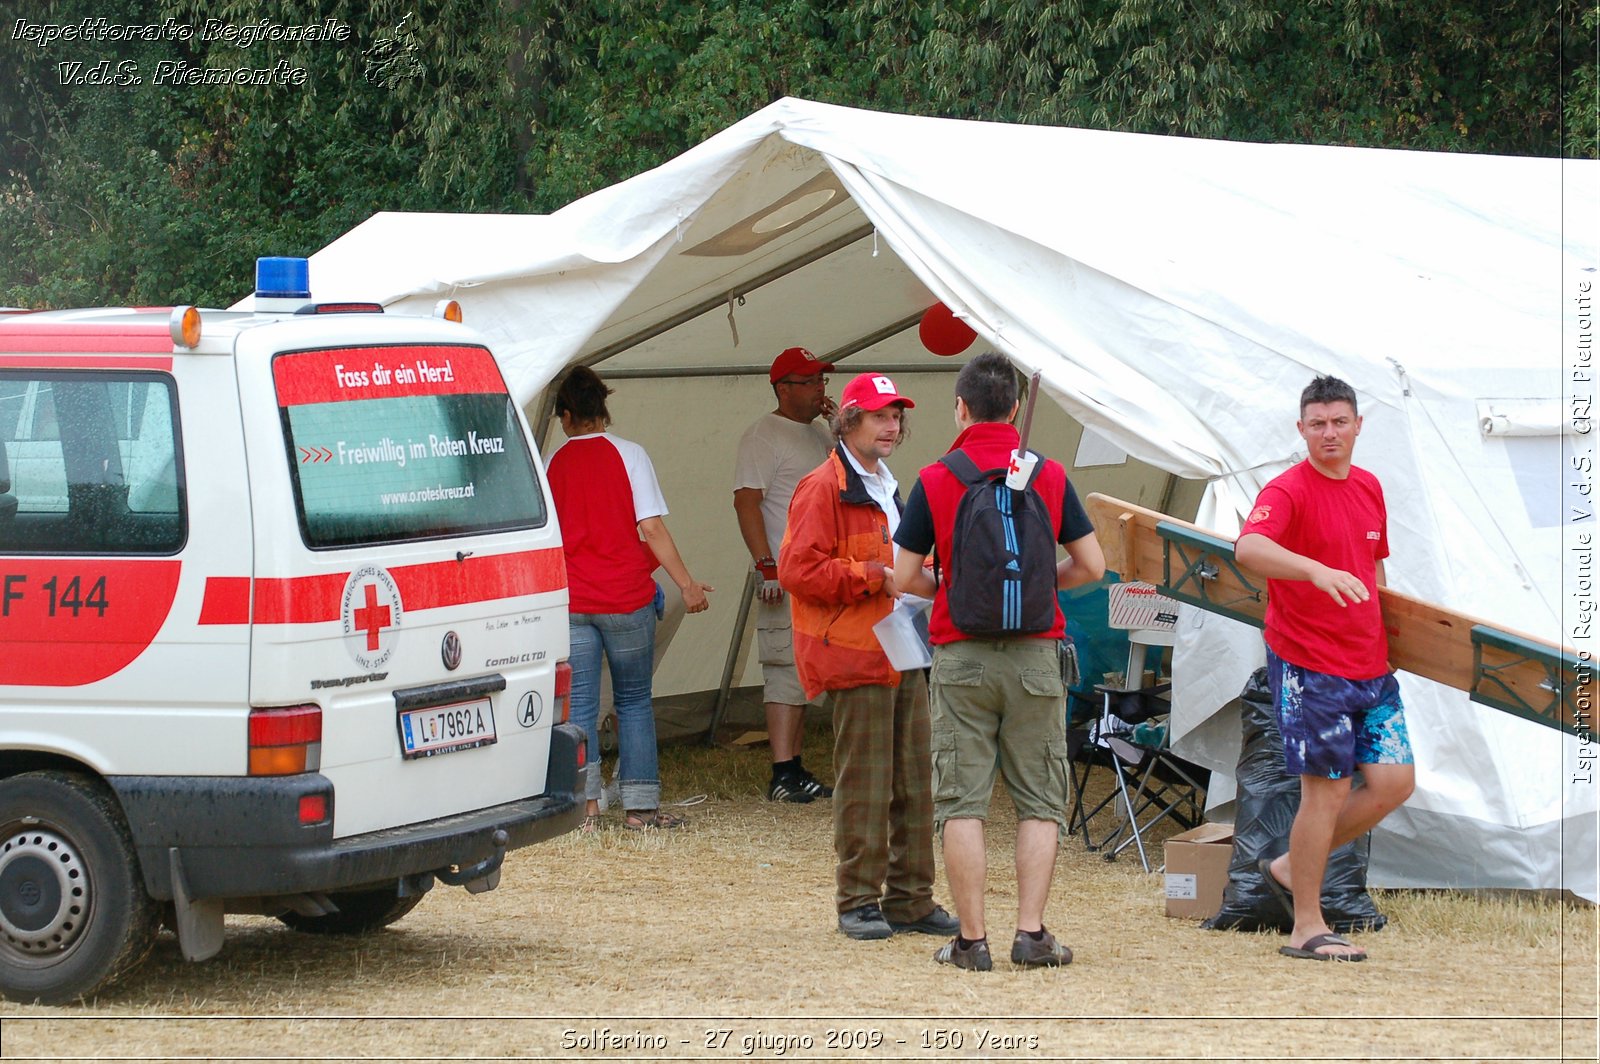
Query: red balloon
{"points": [[943, 333]]}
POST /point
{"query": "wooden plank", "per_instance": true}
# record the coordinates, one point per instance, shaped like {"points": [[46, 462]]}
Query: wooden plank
{"points": [[1424, 638]]}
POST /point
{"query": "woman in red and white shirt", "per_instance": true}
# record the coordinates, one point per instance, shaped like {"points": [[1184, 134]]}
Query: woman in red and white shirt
{"points": [[607, 497]]}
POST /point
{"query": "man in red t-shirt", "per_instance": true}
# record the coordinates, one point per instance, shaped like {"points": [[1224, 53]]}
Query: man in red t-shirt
{"points": [[1319, 532], [995, 701]]}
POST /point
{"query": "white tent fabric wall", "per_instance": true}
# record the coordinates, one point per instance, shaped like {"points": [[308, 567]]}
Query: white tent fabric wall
{"points": [[1176, 294]]}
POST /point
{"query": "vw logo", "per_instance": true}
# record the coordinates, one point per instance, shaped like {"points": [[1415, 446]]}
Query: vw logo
{"points": [[450, 650]]}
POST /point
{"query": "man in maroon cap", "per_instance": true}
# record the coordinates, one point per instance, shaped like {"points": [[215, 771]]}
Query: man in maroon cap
{"points": [[774, 453], [837, 562]]}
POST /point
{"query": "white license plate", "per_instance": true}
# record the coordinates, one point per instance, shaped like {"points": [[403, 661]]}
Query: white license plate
{"points": [[445, 729]]}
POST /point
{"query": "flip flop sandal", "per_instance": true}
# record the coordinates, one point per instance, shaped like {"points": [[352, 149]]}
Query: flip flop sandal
{"points": [[643, 820], [1279, 891], [591, 824], [1308, 951]]}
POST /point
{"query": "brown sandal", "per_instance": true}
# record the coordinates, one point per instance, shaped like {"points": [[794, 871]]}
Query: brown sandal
{"points": [[643, 819], [591, 824]]}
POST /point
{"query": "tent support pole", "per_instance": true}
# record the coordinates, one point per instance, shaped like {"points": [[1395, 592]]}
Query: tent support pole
{"points": [[838, 354], [726, 687], [721, 301], [1168, 489]]}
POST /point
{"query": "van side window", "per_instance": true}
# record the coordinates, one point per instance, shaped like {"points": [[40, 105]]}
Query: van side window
{"points": [[89, 464]]}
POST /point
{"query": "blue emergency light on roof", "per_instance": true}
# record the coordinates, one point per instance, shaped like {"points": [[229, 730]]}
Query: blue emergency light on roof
{"points": [[283, 278]]}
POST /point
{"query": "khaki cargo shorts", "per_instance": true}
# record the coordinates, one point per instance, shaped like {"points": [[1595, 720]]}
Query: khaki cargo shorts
{"points": [[775, 647], [999, 702]]}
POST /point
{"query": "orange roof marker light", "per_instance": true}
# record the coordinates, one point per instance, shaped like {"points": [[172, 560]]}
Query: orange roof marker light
{"points": [[184, 324], [448, 309]]}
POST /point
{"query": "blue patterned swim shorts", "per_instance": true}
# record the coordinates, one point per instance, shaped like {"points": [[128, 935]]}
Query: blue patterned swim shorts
{"points": [[1330, 724]]}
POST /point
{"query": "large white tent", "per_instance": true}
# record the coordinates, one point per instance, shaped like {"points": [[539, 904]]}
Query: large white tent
{"points": [[1176, 295]]}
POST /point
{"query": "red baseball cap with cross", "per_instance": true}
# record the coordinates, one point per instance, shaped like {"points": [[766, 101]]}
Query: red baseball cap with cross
{"points": [[872, 391], [797, 362]]}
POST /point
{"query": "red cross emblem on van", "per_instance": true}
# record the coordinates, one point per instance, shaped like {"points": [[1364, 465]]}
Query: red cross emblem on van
{"points": [[370, 610]]}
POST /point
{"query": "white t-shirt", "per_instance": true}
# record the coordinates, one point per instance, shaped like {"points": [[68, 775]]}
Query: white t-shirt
{"points": [[774, 453], [647, 498]]}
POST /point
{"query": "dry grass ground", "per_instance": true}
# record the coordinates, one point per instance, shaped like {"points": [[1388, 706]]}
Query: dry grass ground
{"points": [[718, 942]]}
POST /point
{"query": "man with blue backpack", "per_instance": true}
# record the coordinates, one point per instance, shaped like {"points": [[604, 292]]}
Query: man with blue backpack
{"points": [[991, 514]]}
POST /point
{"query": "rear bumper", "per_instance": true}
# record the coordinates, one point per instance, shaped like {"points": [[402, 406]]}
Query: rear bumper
{"points": [[240, 837]]}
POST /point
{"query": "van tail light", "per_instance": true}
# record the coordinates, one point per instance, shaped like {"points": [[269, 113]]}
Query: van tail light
{"points": [[285, 740], [563, 692]]}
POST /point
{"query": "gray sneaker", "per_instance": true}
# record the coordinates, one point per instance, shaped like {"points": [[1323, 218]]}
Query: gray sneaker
{"points": [[1043, 952], [865, 922], [975, 958]]}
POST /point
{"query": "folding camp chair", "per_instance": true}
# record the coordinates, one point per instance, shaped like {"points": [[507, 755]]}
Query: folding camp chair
{"points": [[1087, 726], [1152, 783]]}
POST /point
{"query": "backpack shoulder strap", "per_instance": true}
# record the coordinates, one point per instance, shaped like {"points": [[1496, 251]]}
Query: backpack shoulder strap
{"points": [[964, 468], [1038, 467], [967, 471]]}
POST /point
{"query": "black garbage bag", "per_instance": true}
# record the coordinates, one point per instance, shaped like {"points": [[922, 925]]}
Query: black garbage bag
{"points": [[1267, 801]]}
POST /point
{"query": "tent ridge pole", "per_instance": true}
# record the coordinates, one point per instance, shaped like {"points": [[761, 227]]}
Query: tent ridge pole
{"points": [[720, 301]]}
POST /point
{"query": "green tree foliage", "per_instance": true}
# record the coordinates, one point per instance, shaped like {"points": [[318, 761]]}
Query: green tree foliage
{"points": [[1583, 90], [625, 86], [166, 192]]}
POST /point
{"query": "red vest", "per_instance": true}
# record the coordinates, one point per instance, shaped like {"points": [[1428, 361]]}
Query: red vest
{"points": [[989, 444]]}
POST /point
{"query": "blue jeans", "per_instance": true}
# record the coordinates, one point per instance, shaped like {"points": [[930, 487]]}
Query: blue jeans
{"points": [[629, 642]]}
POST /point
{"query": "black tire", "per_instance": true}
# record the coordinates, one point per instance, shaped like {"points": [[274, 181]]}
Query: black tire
{"points": [[74, 915], [360, 911]]}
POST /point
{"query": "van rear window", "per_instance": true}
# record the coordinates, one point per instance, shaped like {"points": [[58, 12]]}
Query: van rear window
{"points": [[396, 443]]}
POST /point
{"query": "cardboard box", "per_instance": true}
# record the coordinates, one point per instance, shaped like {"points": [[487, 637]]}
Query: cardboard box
{"points": [[1197, 870], [1139, 605]]}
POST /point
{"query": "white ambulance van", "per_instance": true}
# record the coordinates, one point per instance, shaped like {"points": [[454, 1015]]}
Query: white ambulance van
{"points": [[283, 627]]}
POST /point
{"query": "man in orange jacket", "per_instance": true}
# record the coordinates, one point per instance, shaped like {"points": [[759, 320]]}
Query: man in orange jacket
{"points": [[837, 564]]}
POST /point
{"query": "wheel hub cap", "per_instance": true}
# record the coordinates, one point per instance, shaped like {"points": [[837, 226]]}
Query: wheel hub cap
{"points": [[44, 892]]}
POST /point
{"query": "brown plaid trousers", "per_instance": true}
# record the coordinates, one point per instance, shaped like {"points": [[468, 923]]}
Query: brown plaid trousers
{"points": [[883, 798]]}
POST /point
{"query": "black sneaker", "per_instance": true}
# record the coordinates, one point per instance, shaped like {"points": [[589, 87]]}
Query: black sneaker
{"points": [[813, 786], [865, 922], [788, 789], [1043, 952], [975, 958], [937, 922]]}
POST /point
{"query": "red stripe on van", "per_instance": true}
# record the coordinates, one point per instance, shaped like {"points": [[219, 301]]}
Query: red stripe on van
{"points": [[73, 361], [154, 337], [226, 601], [299, 599], [314, 599], [71, 621], [426, 587]]}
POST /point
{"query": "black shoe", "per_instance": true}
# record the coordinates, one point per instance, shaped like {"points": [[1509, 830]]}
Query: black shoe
{"points": [[813, 786], [975, 958], [937, 922], [865, 922], [788, 789]]}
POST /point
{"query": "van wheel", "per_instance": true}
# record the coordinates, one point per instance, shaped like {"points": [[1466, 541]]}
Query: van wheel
{"points": [[360, 911], [74, 914]]}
